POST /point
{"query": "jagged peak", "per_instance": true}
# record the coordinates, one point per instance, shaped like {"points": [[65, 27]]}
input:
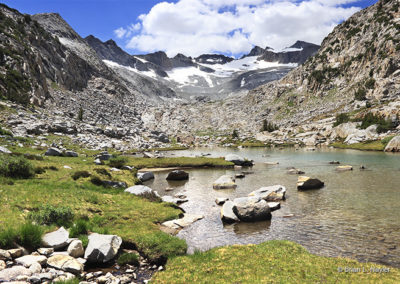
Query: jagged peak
{"points": [[302, 44]]}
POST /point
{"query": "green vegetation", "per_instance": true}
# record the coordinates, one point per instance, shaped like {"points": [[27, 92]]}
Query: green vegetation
{"points": [[118, 162], [370, 83], [26, 234], [48, 215], [377, 145], [5, 132], [369, 119], [80, 114], [352, 32], [318, 76], [15, 167], [140, 163], [109, 210], [81, 174], [270, 262], [341, 118], [360, 94], [17, 87], [128, 258], [268, 126], [30, 236], [235, 134]]}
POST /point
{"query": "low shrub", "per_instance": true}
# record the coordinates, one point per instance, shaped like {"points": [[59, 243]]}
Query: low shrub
{"points": [[5, 132], [235, 134], [33, 157], [370, 83], [371, 119], [128, 258], [53, 168], [268, 126], [341, 118], [118, 162], [103, 172], [360, 94], [151, 196], [40, 170], [16, 167], [7, 238], [80, 174], [96, 181], [81, 227], [48, 214], [84, 239], [30, 236]]}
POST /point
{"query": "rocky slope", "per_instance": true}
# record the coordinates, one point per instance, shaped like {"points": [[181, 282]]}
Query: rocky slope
{"points": [[134, 98], [356, 71], [204, 78], [45, 63]]}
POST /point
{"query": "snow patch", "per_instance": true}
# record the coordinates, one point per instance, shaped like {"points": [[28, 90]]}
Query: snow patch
{"points": [[150, 74], [245, 64], [185, 76], [291, 49]]}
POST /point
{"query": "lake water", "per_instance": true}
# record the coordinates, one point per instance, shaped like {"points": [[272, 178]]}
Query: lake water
{"points": [[356, 214]]}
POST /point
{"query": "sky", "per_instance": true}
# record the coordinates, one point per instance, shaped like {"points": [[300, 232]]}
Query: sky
{"points": [[194, 27]]}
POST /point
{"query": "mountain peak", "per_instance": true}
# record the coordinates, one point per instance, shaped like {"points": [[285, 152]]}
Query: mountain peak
{"points": [[303, 44]]}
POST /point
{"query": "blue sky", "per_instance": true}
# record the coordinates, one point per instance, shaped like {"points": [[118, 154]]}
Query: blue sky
{"points": [[226, 26]]}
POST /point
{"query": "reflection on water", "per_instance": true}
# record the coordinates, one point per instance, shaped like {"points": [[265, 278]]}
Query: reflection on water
{"points": [[355, 215]]}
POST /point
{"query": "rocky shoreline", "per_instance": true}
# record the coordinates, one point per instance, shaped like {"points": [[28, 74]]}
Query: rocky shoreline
{"points": [[63, 258]]}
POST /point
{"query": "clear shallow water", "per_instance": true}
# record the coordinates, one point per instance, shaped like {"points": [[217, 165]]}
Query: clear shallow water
{"points": [[356, 214]]}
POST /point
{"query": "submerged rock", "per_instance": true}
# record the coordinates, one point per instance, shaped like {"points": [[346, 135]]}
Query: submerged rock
{"points": [[187, 220], [221, 200], [225, 182], [251, 209], [305, 183], [178, 175], [102, 248], [274, 206], [174, 200], [270, 193], [344, 168], [227, 214], [145, 176], [294, 171], [236, 159]]}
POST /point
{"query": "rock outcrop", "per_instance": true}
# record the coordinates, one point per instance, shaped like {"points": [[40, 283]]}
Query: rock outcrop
{"points": [[102, 248], [251, 209]]}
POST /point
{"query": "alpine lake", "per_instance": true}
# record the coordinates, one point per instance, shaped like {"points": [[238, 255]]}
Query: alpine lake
{"points": [[356, 214]]}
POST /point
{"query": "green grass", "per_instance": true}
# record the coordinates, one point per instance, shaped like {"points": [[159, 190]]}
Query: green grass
{"points": [[128, 258], [270, 262], [15, 167], [133, 218], [140, 163], [377, 145]]}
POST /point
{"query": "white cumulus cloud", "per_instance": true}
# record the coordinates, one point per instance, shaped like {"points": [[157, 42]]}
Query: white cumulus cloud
{"points": [[195, 27]]}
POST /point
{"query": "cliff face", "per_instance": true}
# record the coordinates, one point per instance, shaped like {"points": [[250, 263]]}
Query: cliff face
{"points": [[357, 69], [359, 60], [31, 59]]}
